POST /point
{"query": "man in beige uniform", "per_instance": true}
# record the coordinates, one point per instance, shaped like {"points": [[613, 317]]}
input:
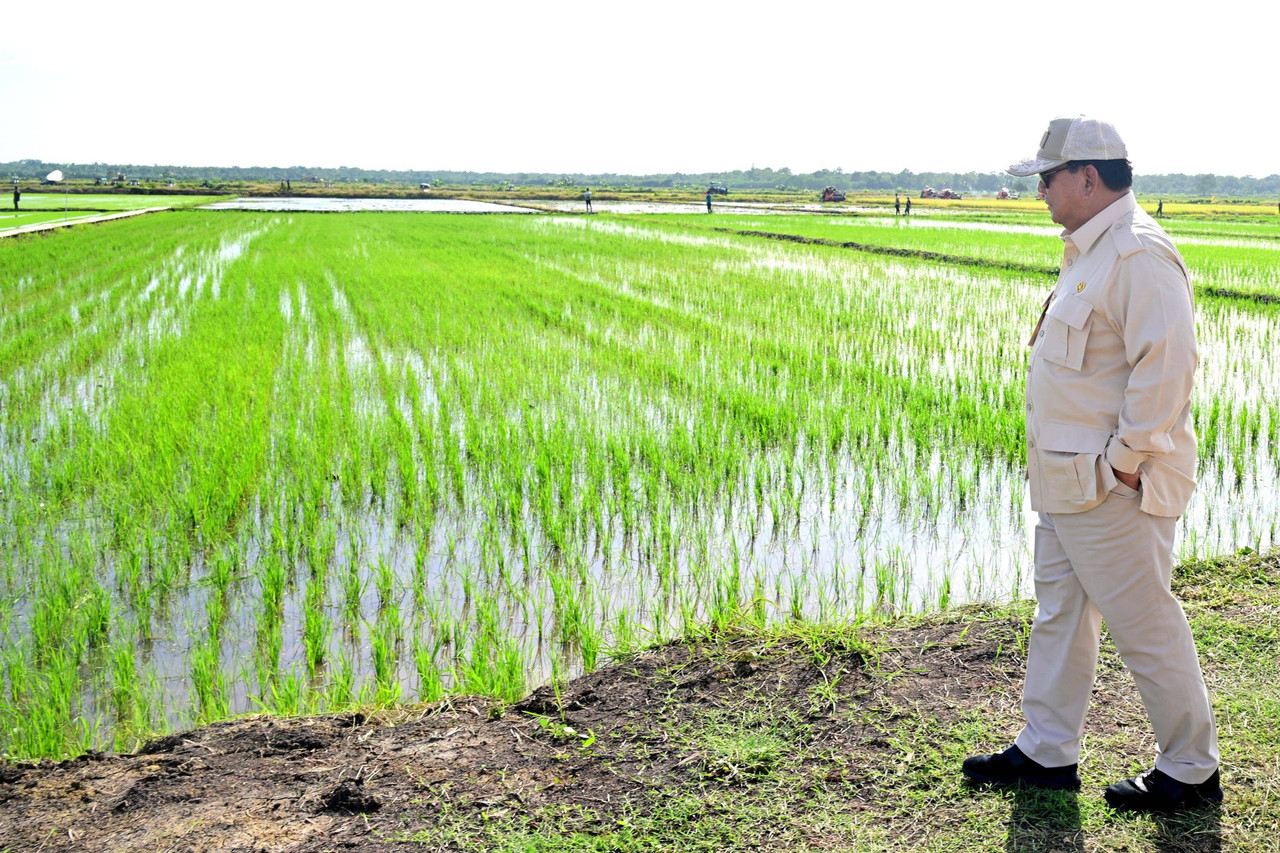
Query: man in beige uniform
{"points": [[1111, 458]]}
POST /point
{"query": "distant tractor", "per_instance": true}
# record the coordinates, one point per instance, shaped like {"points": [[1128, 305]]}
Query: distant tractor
{"points": [[1005, 194], [832, 194], [948, 193], [718, 189], [928, 192]]}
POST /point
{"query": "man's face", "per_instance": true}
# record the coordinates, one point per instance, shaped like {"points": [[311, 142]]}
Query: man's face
{"points": [[1064, 195]]}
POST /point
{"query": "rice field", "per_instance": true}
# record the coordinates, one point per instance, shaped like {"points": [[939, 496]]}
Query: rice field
{"points": [[295, 462]]}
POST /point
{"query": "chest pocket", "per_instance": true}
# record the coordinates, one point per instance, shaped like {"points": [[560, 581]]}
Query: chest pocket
{"points": [[1066, 329]]}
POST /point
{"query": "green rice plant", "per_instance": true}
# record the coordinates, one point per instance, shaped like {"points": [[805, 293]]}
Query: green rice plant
{"points": [[124, 676], [590, 639], [886, 577], [430, 684], [290, 695], [143, 716], [352, 589], [208, 681], [340, 692], [385, 578], [273, 577], [383, 643], [315, 637], [95, 616], [798, 596], [725, 609], [626, 638], [269, 642]]}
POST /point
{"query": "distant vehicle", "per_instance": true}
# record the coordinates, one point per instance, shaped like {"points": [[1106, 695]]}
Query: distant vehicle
{"points": [[1004, 193], [832, 194], [424, 186], [718, 189], [930, 192]]}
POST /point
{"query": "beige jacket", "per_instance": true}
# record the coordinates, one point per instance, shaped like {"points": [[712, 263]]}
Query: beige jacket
{"points": [[1112, 361]]}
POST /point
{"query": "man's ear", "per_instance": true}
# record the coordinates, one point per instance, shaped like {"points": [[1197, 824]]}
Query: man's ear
{"points": [[1091, 179]]}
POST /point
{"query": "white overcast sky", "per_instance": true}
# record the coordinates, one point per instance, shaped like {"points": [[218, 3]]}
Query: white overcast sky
{"points": [[635, 88]]}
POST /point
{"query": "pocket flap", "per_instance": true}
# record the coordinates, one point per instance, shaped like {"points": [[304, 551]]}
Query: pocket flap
{"points": [[1069, 438], [1072, 310]]}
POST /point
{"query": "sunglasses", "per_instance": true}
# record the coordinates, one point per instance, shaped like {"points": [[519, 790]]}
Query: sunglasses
{"points": [[1046, 176]]}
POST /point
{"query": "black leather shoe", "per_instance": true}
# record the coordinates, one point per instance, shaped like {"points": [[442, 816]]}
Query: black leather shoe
{"points": [[1155, 791], [1011, 766]]}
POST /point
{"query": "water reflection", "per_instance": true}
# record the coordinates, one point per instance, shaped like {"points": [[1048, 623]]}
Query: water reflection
{"points": [[349, 205]]}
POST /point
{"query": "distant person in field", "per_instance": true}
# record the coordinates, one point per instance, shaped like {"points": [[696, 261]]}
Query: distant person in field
{"points": [[1111, 462], [897, 204], [708, 201], [17, 196], [1160, 208], [586, 196], [908, 205]]}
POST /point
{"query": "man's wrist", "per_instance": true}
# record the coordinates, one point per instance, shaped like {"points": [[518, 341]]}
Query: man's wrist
{"points": [[1133, 481]]}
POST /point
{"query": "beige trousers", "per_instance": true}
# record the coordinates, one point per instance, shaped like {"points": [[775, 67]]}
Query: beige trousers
{"points": [[1113, 562]]}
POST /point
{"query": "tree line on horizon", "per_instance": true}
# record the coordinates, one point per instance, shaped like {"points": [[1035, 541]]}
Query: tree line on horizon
{"points": [[1202, 185]]}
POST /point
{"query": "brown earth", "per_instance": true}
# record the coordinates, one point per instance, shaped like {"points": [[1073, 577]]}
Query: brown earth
{"points": [[363, 783]]}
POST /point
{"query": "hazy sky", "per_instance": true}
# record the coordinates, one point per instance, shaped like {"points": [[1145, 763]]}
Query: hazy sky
{"points": [[638, 88]]}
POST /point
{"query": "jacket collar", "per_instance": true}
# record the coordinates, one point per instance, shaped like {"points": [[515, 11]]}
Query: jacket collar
{"points": [[1086, 235]]}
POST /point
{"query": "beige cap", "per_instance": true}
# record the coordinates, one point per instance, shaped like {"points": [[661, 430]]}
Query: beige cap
{"points": [[1068, 139]]}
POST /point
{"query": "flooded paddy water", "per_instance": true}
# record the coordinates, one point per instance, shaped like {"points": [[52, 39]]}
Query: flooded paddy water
{"points": [[350, 205], [291, 462], [719, 204]]}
